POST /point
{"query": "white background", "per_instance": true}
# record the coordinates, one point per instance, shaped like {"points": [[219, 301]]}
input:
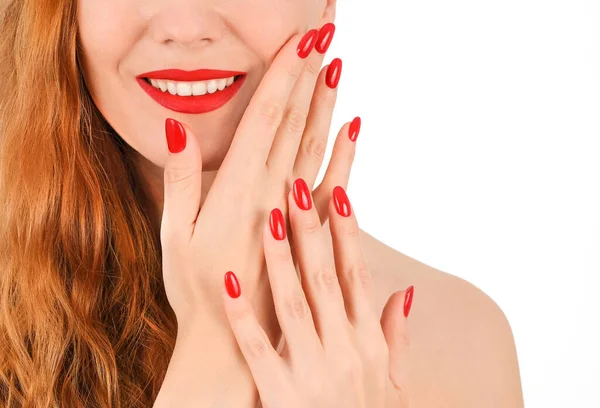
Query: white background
{"points": [[479, 155]]}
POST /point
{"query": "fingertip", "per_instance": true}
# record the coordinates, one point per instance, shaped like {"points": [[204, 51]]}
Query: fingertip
{"points": [[354, 128], [408, 299], [277, 224], [176, 135], [232, 285]]}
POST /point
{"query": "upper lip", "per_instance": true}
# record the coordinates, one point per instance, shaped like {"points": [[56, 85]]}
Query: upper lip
{"points": [[198, 75]]}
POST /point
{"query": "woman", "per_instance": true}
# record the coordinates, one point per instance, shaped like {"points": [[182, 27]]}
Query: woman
{"points": [[99, 277]]}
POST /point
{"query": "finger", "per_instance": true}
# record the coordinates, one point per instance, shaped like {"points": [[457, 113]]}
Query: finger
{"points": [[293, 312], [263, 116], [182, 182], [314, 143], [355, 278], [339, 167], [395, 330], [268, 369], [290, 134], [319, 279]]}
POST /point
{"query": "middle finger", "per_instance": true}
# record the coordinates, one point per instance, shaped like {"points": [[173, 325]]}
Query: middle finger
{"points": [[290, 133]]}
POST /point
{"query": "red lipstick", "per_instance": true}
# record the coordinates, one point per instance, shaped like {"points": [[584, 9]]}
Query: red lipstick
{"points": [[192, 104]]}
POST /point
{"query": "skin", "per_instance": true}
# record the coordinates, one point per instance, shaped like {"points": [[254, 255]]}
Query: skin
{"points": [[462, 348]]}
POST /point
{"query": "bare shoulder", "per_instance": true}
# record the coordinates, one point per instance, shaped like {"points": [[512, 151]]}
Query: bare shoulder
{"points": [[462, 348]]}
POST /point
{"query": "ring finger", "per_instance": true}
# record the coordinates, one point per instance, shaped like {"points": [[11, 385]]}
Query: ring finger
{"points": [[319, 278], [292, 309]]}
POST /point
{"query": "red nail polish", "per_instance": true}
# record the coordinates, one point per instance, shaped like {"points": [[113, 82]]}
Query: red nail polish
{"points": [[232, 285], [341, 202], [354, 129], [302, 194], [307, 43], [325, 36], [334, 71], [277, 224], [408, 297], [176, 136]]}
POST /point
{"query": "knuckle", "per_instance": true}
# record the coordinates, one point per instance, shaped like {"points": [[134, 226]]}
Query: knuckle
{"points": [[294, 71], [256, 347], [296, 307], [328, 100], [271, 113], [350, 231], [360, 273], [295, 120], [179, 177], [310, 227], [312, 68], [316, 148], [325, 279]]}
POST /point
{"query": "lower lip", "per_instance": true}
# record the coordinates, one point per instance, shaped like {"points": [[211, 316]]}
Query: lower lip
{"points": [[193, 104]]}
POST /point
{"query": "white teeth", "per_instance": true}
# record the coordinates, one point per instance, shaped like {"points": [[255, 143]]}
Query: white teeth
{"points": [[211, 86], [199, 88], [184, 89], [192, 88]]}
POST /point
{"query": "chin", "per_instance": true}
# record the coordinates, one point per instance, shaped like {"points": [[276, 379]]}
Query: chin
{"points": [[212, 157]]}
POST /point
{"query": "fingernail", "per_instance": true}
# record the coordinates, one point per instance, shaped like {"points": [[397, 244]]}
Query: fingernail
{"points": [[334, 71], [302, 194], [176, 137], [307, 43], [325, 36], [277, 224], [232, 285], [408, 297], [354, 129], [341, 202]]}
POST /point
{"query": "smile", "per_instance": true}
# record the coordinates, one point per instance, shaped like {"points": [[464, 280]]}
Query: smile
{"points": [[192, 92]]}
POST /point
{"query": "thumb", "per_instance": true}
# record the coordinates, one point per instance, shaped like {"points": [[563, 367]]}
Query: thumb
{"points": [[182, 181], [395, 330]]}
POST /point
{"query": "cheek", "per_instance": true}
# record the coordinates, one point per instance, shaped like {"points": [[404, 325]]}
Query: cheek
{"points": [[265, 25], [102, 34]]}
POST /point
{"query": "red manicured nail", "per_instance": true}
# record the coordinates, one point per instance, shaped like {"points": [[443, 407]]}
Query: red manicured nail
{"points": [[232, 285], [277, 224], [334, 71], [325, 36], [354, 129], [176, 137], [307, 43], [302, 194], [341, 202], [408, 297]]}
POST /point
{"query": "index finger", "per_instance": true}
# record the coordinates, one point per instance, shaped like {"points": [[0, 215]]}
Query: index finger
{"points": [[261, 119]]}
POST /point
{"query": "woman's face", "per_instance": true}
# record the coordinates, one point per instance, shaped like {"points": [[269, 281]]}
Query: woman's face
{"points": [[122, 39]]}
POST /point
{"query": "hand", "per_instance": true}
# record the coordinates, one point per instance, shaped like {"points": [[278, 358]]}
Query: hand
{"points": [[270, 147], [338, 353]]}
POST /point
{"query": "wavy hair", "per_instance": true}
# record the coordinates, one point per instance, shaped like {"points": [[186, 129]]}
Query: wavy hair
{"points": [[84, 318]]}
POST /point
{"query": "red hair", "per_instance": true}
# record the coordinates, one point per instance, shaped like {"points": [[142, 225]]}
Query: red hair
{"points": [[84, 319]]}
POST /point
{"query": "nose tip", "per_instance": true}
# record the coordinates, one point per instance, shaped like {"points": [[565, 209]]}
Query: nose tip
{"points": [[186, 27], [188, 42]]}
